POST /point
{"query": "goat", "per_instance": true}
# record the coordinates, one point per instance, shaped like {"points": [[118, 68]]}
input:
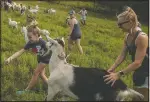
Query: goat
{"points": [[67, 20], [18, 7], [33, 11], [24, 31], [83, 84], [36, 7], [44, 31], [23, 9], [13, 5], [8, 4], [2, 4], [13, 23], [52, 11]]}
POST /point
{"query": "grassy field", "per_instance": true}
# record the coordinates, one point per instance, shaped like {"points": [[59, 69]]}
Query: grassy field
{"points": [[101, 40]]}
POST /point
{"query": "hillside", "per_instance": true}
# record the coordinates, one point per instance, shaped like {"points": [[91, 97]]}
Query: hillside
{"points": [[101, 41]]}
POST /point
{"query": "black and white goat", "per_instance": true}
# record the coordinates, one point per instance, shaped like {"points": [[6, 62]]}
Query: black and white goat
{"points": [[83, 84]]}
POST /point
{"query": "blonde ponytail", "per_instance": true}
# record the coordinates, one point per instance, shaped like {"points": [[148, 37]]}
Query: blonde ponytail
{"points": [[130, 16]]}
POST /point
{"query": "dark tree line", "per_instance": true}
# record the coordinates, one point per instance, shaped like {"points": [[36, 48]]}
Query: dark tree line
{"points": [[141, 7]]}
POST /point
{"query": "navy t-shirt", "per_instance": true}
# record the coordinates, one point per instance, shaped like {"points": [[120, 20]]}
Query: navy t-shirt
{"points": [[40, 49]]}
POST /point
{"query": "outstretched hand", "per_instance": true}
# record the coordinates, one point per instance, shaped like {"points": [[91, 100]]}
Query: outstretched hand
{"points": [[111, 78], [7, 61]]}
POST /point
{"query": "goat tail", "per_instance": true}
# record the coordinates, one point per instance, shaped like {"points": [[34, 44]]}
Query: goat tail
{"points": [[129, 95]]}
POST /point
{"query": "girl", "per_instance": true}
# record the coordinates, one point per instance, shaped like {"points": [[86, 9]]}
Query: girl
{"points": [[40, 45]]}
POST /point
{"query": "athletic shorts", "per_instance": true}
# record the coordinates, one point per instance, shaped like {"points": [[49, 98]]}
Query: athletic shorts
{"points": [[145, 85], [83, 17], [75, 38]]}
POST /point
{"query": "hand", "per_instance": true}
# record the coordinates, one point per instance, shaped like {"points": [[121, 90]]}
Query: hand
{"points": [[7, 61], [112, 77], [111, 70]]}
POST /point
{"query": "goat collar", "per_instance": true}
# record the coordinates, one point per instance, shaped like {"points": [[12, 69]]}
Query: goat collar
{"points": [[60, 57], [51, 45]]}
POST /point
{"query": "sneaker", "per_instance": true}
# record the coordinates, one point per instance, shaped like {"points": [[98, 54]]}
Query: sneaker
{"points": [[21, 92]]}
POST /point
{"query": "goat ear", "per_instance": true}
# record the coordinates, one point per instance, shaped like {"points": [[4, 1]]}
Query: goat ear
{"points": [[63, 40], [61, 56]]}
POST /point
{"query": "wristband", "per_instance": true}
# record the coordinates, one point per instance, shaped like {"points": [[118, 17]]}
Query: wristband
{"points": [[121, 73]]}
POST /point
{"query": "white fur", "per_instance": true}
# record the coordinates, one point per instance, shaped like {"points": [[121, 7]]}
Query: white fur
{"points": [[17, 7], [129, 93], [61, 73], [98, 96], [24, 31], [45, 32], [33, 11], [52, 11], [14, 5], [36, 7], [9, 5], [13, 23], [2, 4], [62, 76]]}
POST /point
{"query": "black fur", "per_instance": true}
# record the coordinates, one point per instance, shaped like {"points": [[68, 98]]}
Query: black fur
{"points": [[90, 81], [60, 42]]}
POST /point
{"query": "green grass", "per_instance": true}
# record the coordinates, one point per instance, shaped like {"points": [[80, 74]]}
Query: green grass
{"points": [[101, 40]]}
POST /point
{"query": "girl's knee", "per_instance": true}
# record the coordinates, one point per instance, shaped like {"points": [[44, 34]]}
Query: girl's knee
{"points": [[42, 74], [36, 73], [78, 44]]}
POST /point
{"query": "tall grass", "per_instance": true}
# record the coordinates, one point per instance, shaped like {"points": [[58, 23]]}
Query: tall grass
{"points": [[101, 40]]}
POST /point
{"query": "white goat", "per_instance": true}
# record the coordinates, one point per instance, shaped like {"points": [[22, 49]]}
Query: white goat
{"points": [[13, 5], [37, 7], [84, 84], [33, 11], [2, 4], [8, 4], [13, 23], [23, 9], [18, 7], [52, 11], [24, 31], [45, 32]]}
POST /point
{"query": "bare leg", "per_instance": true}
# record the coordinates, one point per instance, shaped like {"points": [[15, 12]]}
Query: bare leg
{"points": [[70, 42], [79, 46], [81, 21], [84, 22], [37, 71], [43, 76]]}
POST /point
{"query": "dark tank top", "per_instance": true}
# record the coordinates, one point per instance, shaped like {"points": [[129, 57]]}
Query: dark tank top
{"points": [[142, 72]]}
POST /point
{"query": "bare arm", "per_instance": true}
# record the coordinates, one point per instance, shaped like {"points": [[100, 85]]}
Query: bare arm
{"points": [[142, 44], [71, 22], [15, 55], [121, 57], [79, 12]]}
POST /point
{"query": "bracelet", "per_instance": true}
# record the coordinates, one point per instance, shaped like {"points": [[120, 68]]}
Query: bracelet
{"points": [[121, 73]]}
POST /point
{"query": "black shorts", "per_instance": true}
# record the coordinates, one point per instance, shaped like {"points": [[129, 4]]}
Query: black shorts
{"points": [[75, 38], [43, 61]]}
